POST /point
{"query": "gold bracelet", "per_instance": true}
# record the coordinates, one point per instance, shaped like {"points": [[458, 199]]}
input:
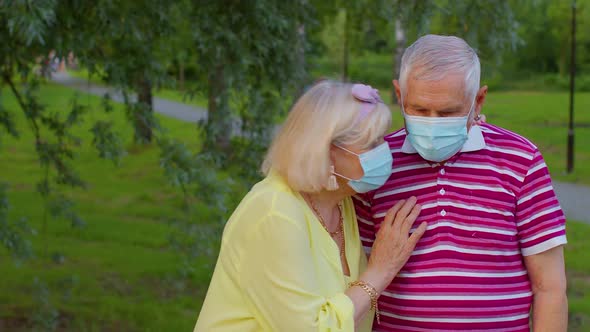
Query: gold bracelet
{"points": [[373, 295]]}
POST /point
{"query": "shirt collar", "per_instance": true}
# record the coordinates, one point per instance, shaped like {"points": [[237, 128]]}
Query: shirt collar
{"points": [[475, 142]]}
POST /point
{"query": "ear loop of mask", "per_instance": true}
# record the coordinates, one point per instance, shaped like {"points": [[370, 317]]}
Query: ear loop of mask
{"points": [[472, 109], [338, 174]]}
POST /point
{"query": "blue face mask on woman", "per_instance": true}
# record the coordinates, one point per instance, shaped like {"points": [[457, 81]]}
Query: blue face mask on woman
{"points": [[376, 164], [437, 139]]}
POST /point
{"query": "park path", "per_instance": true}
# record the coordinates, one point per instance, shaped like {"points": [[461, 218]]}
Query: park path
{"points": [[169, 108], [574, 198]]}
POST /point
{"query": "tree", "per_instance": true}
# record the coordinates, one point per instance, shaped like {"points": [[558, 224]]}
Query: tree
{"points": [[248, 52], [129, 42], [546, 35], [30, 32], [490, 27], [347, 25], [406, 15], [30, 35], [485, 25]]}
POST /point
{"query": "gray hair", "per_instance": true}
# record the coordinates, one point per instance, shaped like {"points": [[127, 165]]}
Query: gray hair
{"points": [[432, 57]]}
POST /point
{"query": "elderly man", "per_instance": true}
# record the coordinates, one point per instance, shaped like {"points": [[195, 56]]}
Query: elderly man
{"points": [[493, 245]]}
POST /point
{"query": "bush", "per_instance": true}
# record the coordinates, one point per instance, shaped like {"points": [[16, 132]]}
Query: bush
{"points": [[583, 83], [373, 69]]}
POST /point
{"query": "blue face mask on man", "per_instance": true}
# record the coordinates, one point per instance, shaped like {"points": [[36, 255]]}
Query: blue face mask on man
{"points": [[376, 164], [436, 138]]}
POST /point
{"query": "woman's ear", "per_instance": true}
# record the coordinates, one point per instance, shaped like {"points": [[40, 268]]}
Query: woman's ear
{"points": [[332, 153], [332, 181]]}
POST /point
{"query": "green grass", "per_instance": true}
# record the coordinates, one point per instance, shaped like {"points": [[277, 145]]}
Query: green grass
{"points": [[195, 99], [543, 118], [182, 97], [121, 258]]}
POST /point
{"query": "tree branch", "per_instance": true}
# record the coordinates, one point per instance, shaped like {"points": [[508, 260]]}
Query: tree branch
{"points": [[34, 126]]}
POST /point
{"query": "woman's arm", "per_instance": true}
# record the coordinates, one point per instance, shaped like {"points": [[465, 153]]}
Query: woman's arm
{"points": [[278, 276]]}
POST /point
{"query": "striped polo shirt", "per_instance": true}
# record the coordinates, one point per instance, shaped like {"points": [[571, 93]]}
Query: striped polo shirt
{"points": [[486, 207]]}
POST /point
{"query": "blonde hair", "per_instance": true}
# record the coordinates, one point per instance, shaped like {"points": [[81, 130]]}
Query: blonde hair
{"points": [[326, 114]]}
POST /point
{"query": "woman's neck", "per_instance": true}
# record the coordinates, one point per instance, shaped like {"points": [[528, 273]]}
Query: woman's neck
{"points": [[327, 200], [326, 203]]}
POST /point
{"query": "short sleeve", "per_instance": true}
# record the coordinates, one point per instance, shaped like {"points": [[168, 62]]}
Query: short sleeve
{"points": [[279, 285], [364, 215], [540, 220]]}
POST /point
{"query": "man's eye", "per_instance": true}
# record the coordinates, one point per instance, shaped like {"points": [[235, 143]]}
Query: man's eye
{"points": [[449, 114]]}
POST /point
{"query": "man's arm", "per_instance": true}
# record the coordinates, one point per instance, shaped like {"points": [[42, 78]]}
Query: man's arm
{"points": [[547, 274], [541, 231]]}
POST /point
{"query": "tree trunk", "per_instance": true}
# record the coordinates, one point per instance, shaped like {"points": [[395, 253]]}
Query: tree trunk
{"points": [[219, 121], [181, 75], [345, 46], [400, 47], [144, 113]]}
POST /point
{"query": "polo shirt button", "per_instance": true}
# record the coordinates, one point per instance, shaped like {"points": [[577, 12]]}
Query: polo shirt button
{"points": [[442, 171], [443, 213], [442, 191]]}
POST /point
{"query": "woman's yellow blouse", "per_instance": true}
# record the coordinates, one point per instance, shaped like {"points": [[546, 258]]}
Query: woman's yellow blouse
{"points": [[279, 270]]}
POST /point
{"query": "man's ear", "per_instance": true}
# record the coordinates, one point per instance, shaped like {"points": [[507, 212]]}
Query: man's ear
{"points": [[480, 98], [398, 90]]}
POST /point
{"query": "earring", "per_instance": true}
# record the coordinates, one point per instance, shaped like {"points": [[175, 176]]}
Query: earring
{"points": [[332, 183]]}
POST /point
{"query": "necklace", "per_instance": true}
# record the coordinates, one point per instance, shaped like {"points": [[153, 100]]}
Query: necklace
{"points": [[338, 232]]}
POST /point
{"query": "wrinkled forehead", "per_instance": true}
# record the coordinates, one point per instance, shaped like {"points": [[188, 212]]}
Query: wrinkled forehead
{"points": [[448, 88]]}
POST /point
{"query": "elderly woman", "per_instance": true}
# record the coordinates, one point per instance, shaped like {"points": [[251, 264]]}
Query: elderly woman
{"points": [[291, 258]]}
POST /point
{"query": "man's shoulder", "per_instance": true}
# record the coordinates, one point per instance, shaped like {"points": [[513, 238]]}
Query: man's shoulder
{"points": [[396, 139], [500, 138]]}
